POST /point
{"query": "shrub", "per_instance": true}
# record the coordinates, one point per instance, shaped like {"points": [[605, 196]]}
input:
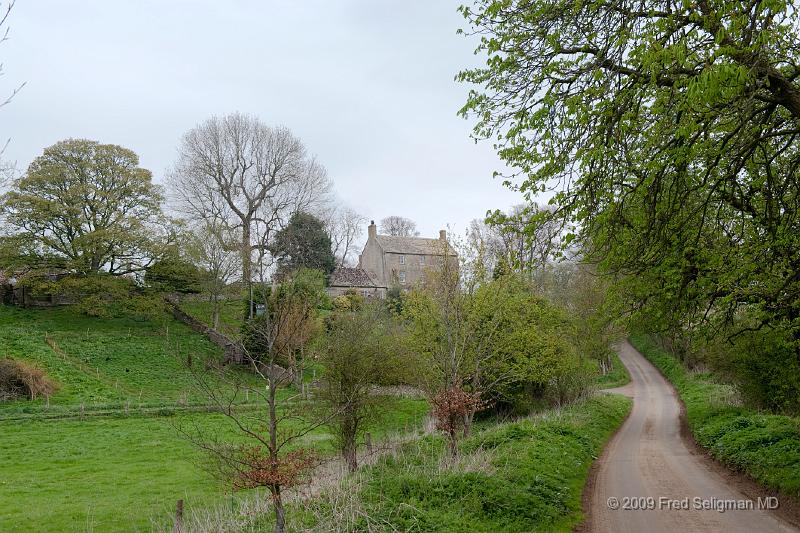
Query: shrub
{"points": [[18, 379]]}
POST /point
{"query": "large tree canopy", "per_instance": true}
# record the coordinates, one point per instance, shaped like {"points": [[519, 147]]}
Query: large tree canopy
{"points": [[84, 207], [668, 130]]}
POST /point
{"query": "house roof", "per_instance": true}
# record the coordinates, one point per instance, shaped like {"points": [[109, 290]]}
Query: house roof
{"points": [[414, 245], [351, 277]]}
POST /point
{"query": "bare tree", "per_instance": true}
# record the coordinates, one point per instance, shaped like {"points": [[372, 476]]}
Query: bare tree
{"points": [[345, 226], [529, 237], [399, 226], [247, 176], [211, 248], [4, 30], [484, 251], [7, 169]]}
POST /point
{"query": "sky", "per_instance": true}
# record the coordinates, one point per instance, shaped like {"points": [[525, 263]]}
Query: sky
{"points": [[368, 85]]}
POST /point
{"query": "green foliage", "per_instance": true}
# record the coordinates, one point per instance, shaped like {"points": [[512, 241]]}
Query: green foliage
{"points": [[362, 349], [672, 138], [765, 447], [514, 345], [303, 243], [395, 298], [351, 300], [98, 295], [173, 274], [84, 207], [766, 369]]}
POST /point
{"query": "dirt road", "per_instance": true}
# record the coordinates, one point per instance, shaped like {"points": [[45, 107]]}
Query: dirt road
{"points": [[647, 464]]}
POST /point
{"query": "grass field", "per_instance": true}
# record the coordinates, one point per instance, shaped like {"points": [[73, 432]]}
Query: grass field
{"points": [[125, 469], [764, 446]]}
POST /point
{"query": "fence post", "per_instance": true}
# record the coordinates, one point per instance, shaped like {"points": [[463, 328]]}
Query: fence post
{"points": [[368, 438], [178, 518]]}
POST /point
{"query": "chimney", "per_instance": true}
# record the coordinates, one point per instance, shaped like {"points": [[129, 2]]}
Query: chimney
{"points": [[442, 235], [372, 230]]}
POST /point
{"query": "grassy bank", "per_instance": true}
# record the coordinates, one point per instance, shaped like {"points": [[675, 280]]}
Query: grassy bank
{"points": [[616, 377], [521, 476], [766, 447]]}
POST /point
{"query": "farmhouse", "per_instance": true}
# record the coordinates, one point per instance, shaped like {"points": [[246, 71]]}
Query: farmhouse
{"points": [[391, 261]]}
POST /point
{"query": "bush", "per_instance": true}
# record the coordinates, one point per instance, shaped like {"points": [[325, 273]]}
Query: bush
{"points": [[766, 368], [18, 379]]}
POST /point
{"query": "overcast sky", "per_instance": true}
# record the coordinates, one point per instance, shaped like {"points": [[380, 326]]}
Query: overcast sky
{"points": [[368, 85]]}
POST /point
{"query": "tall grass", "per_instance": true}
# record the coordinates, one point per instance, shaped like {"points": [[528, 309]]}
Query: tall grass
{"points": [[526, 475]]}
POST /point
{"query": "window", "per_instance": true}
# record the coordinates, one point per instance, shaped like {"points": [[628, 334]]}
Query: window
{"points": [[402, 276], [365, 293], [402, 260], [422, 260]]}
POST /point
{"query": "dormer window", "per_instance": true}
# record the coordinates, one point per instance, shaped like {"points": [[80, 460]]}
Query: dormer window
{"points": [[402, 260]]}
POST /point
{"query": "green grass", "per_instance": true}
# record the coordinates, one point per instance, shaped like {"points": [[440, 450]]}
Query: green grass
{"points": [[120, 474], [124, 469], [230, 316], [617, 377], [766, 447], [521, 476]]}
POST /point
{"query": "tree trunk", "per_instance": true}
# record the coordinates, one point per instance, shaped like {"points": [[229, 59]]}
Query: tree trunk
{"points": [[468, 418], [280, 513], [350, 456], [215, 313], [275, 490], [349, 433], [246, 250], [453, 434]]}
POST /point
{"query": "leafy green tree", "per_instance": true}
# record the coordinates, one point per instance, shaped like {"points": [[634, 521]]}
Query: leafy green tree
{"points": [[303, 243], [86, 208], [362, 348], [527, 345], [669, 133]]}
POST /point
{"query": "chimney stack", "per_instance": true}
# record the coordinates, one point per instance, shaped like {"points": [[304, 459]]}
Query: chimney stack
{"points": [[372, 230], [442, 235]]}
